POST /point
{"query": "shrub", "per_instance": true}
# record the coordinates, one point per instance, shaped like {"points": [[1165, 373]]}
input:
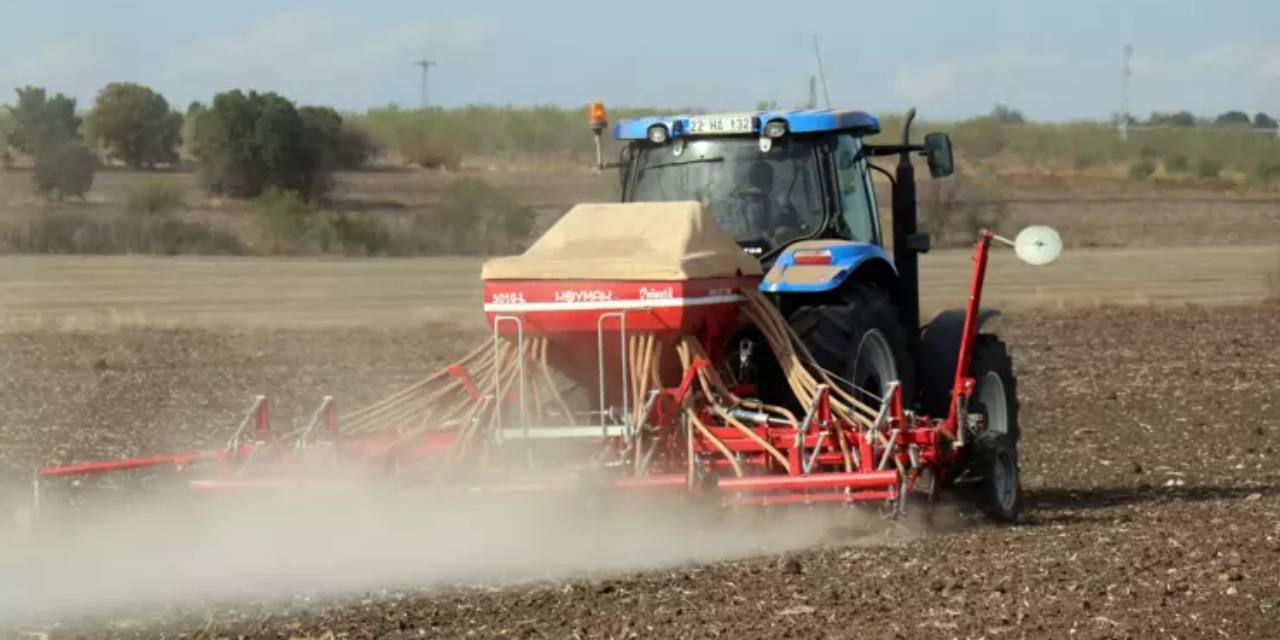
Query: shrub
{"points": [[1177, 164], [1266, 171], [7, 127], [1208, 168], [64, 170], [135, 124], [473, 217], [428, 152], [351, 234], [287, 224], [153, 199], [283, 220], [1141, 169], [1004, 114], [1084, 161], [78, 231]]}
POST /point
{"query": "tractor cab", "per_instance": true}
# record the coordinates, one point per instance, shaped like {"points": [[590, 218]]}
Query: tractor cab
{"points": [[793, 187], [770, 179]]}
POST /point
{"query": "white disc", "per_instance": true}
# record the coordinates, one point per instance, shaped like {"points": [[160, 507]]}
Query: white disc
{"points": [[1038, 245]]}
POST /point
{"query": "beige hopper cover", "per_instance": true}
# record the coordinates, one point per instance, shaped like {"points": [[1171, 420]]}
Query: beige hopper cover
{"points": [[633, 241]]}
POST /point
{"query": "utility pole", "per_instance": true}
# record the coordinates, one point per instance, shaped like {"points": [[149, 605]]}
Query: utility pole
{"points": [[426, 66], [1125, 73], [822, 75]]}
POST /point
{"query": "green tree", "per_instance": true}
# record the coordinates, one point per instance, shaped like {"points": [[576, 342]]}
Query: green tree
{"points": [[338, 145], [247, 143], [39, 120], [1004, 114], [1263, 121], [1178, 119], [135, 124], [1232, 119], [64, 170]]}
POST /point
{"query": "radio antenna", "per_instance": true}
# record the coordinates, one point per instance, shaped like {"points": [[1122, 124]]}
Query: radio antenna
{"points": [[822, 76]]}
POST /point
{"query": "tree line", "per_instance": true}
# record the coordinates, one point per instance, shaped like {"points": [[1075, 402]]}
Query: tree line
{"points": [[243, 143]]}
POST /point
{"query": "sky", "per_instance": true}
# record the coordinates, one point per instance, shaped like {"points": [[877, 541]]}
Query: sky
{"points": [[1053, 61]]}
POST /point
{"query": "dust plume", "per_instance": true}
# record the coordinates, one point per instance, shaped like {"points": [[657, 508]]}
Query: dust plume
{"points": [[188, 549]]}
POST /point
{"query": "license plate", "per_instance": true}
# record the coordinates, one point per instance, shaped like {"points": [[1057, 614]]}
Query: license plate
{"points": [[715, 125]]}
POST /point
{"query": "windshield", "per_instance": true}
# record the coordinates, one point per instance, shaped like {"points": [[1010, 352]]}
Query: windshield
{"points": [[768, 198]]}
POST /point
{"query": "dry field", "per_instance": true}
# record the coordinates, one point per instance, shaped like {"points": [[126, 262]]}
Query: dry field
{"points": [[90, 292], [1150, 455]]}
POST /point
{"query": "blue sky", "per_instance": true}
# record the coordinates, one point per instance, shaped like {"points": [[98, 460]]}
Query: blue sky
{"points": [[951, 59]]}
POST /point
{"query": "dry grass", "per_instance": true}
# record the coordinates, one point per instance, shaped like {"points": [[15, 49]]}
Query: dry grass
{"points": [[86, 293]]}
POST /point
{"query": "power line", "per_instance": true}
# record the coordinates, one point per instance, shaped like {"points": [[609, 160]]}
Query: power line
{"points": [[426, 66]]}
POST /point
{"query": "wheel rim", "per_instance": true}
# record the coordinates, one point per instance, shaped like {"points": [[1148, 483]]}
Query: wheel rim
{"points": [[874, 367], [1004, 480], [995, 406]]}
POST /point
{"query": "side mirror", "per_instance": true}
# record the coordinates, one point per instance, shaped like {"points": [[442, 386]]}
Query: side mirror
{"points": [[937, 149]]}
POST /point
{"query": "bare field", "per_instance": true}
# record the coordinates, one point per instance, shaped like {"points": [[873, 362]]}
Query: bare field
{"points": [[93, 292], [1149, 454]]}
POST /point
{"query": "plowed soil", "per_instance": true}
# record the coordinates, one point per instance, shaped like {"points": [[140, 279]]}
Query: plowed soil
{"points": [[1150, 457]]}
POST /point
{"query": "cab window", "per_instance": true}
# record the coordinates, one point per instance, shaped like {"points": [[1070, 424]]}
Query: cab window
{"points": [[857, 202]]}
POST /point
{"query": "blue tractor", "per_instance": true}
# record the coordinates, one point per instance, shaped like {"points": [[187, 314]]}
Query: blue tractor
{"points": [[795, 188]]}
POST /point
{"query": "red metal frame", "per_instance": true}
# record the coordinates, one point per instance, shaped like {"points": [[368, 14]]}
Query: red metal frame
{"points": [[886, 461]]}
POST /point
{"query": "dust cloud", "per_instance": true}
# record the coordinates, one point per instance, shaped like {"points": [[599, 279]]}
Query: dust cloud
{"points": [[189, 548]]}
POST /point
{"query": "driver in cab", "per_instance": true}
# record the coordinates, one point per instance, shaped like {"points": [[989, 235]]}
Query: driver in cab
{"points": [[759, 212]]}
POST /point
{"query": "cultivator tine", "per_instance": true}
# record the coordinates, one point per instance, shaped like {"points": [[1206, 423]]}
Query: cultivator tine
{"points": [[324, 416]]}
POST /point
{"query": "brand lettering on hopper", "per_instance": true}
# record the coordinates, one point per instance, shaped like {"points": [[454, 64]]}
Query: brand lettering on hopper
{"points": [[584, 295], [656, 294], [722, 291]]}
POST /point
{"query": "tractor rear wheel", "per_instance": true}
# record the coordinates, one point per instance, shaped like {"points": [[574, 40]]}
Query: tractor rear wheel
{"points": [[993, 458], [860, 341]]}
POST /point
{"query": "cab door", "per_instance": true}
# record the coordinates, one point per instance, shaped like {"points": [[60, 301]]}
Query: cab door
{"points": [[856, 196]]}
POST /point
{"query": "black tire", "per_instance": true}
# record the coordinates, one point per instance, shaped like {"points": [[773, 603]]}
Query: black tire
{"points": [[998, 493], [994, 453], [991, 364], [861, 340]]}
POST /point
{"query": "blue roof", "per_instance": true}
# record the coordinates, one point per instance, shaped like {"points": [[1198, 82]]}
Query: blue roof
{"points": [[797, 122]]}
